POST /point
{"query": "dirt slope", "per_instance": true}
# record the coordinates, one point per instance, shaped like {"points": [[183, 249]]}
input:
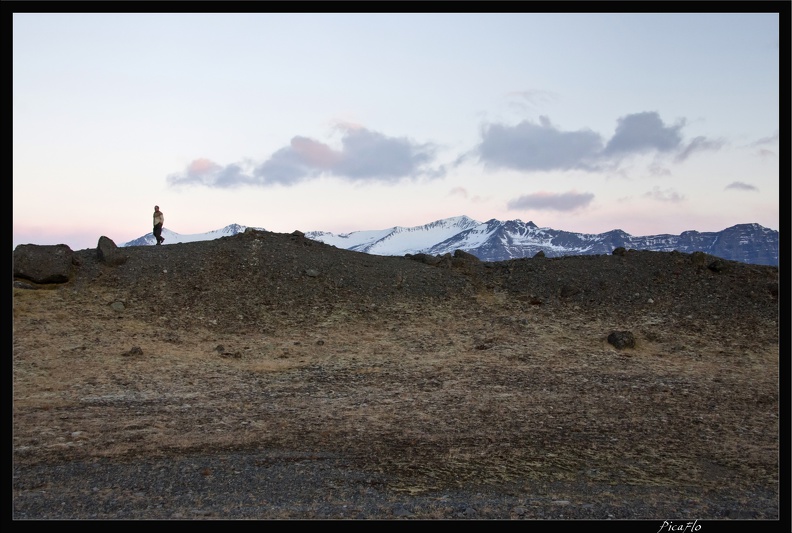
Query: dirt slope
{"points": [[269, 376]]}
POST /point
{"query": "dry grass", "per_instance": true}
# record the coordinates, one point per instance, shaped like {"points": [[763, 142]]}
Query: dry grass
{"points": [[500, 395], [486, 401]]}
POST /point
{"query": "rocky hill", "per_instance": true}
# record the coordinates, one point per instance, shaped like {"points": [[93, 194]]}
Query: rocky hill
{"points": [[214, 376], [256, 279]]}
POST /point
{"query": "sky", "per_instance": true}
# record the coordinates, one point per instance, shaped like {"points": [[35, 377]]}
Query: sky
{"points": [[649, 123]]}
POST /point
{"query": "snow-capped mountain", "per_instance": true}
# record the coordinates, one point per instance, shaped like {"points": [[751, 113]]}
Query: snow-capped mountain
{"points": [[171, 237], [397, 240], [497, 240]]}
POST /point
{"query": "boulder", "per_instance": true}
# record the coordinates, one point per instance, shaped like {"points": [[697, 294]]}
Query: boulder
{"points": [[44, 263], [622, 339], [299, 237], [424, 258], [621, 251], [465, 256], [107, 252], [718, 265]]}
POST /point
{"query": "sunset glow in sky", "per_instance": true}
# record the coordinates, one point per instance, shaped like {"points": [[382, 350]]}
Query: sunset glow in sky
{"points": [[656, 123]]}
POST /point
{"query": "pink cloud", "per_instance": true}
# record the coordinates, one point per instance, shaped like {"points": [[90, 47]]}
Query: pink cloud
{"points": [[314, 153], [201, 166]]}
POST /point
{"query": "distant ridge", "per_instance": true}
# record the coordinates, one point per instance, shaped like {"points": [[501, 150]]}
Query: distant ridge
{"points": [[497, 240], [171, 237]]}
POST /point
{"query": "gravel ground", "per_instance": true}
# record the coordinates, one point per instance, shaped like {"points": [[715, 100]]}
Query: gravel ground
{"points": [[266, 376], [271, 486]]}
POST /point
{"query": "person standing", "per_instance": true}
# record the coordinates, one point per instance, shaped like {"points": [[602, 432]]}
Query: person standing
{"points": [[159, 220]]}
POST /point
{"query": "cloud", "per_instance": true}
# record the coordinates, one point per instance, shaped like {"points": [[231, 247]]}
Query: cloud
{"points": [[303, 159], [365, 156], [458, 191], [368, 155], [537, 147], [541, 146], [544, 201], [773, 139], [643, 132], [668, 195], [532, 96], [528, 100], [200, 171], [763, 152], [761, 144], [698, 144], [741, 186], [210, 174], [658, 170]]}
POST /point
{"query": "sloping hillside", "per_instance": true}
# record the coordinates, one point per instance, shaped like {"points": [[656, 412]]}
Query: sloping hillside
{"points": [[266, 375]]}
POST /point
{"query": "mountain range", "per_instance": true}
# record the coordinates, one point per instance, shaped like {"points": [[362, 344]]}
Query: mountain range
{"points": [[497, 240]]}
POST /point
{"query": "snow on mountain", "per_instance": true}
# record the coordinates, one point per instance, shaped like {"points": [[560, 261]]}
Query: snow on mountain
{"points": [[396, 240], [497, 240], [171, 237], [486, 237]]}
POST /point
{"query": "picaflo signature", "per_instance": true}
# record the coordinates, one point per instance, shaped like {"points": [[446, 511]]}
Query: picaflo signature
{"points": [[679, 527]]}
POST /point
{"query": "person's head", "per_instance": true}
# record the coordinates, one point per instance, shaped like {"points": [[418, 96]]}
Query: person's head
{"points": [[156, 208]]}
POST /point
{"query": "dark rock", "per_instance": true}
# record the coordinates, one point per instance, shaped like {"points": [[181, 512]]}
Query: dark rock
{"points": [[108, 253], [19, 284], [465, 261], [486, 344], [719, 265], [773, 290], [254, 232], [699, 258], [622, 339], [540, 254], [299, 237], [424, 258], [44, 263], [445, 260], [135, 350], [461, 254], [620, 251], [470, 512]]}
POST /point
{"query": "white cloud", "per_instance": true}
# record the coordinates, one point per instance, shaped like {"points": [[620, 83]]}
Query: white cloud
{"points": [[544, 201], [668, 195], [739, 185], [532, 147], [365, 156]]}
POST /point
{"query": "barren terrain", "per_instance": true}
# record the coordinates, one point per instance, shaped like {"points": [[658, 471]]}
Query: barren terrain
{"points": [[267, 376]]}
